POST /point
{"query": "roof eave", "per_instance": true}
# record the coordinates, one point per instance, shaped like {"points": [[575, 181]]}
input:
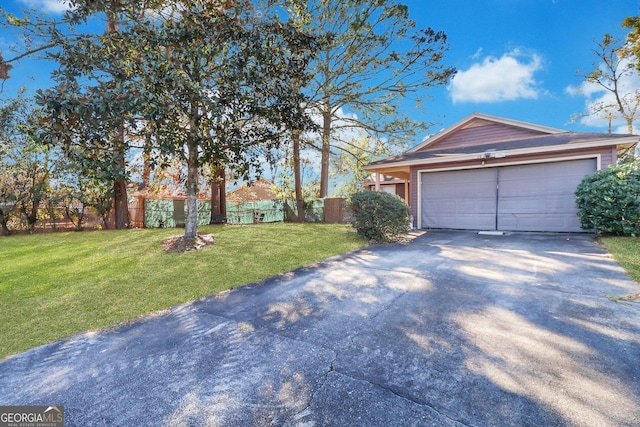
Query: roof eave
{"points": [[514, 152]]}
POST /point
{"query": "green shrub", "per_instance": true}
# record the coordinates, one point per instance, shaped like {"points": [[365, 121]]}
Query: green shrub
{"points": [[609, 200], [379, 216]]}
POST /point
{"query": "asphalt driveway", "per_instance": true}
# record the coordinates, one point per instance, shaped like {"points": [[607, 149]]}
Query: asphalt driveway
{"points": [[452, 329]]}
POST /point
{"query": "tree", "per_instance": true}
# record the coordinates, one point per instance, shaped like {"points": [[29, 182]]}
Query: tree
{"points": [[78, 187], [88, 106], [25, 164], [613, 67], [373, 58], [217, 79], [349, 164], [301, 184], [9, 111], [206, 80], [633, 38]]}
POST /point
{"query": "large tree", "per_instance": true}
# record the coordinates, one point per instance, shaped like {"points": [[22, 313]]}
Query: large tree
{"points": [[91, 93], [217, 78], [374, 60]]}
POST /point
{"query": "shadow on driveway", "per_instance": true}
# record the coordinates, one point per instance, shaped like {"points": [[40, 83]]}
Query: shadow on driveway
{"points": [[452, 329]]}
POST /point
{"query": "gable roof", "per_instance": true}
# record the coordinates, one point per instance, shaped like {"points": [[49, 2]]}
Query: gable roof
{"points": [[261, 189], [544, 143], [499, 129]]}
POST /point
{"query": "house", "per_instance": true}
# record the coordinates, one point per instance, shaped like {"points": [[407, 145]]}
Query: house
{"points": [[389, 184], [259, 190], [491, 173]]}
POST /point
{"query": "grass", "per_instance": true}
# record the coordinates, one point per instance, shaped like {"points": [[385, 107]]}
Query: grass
{"points": [[56, 285], [626, 251]]}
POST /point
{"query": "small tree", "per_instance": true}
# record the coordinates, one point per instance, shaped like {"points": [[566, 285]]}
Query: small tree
{"points": [[349, 164], [24, 163], [8, 199], [609, 200], [612, 79], [379, 216]]}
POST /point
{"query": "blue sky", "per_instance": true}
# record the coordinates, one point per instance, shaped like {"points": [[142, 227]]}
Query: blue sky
{"points": [[516, 58]]}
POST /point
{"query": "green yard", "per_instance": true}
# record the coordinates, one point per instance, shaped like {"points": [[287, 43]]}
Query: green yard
{"points": [[56, 285], [625, 250]]}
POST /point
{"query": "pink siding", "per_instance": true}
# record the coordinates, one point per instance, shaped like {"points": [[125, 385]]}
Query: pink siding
{"points": [[609, 157], [479, 135], [413, 195]]}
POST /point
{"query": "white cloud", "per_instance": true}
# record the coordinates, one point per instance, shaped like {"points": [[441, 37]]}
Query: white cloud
{"points": [[597, 97], [47, 6], [507, 78]]}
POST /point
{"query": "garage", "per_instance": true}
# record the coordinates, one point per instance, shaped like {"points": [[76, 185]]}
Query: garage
{"points": [[534, 197], [493, 173]]}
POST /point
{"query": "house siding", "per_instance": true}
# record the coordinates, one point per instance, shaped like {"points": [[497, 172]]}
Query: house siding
{"points": [[479, 135], [413, 194]]}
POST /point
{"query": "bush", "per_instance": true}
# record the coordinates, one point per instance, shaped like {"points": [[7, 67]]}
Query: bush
{"points": [[609, 200], [379, 216]]}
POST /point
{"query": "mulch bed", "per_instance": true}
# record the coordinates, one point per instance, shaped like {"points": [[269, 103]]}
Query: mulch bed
{"points": [[179, 244]]}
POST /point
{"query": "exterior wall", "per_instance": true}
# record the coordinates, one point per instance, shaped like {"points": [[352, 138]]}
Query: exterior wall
{"points": [[413, 194], [609, 158], [479, 135]]}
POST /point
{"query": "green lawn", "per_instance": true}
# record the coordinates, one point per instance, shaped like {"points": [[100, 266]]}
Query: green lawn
{"points": [[625, 250], [56, 285]]}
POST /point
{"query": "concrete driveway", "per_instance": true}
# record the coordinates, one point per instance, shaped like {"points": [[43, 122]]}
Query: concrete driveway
{"points": [[452, 329]]}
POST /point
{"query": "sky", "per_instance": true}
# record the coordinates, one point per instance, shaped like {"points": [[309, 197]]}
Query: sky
{"points": [[515, 58]]}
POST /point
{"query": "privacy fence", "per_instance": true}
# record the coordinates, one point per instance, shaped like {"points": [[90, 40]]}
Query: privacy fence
{"points": [[158, 213]]}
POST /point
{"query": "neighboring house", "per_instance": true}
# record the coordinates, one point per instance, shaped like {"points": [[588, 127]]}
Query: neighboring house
{"points": [[260, 189], [492, 173], [389, 184]]}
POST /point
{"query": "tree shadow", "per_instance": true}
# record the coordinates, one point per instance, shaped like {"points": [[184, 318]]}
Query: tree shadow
{"points": [[452, 328]]}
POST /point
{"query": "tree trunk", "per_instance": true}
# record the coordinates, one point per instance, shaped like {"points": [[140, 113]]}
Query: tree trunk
{"points": [[223, 196], [326, 149], [218, 196], [295, 137], [191, 225], [4, 219], [31, 211], [146, 171], [120, 202]]}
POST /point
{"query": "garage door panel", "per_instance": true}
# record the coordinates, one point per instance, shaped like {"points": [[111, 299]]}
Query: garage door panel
{"points": [[540, 197], [537, 222], [459, 199]]}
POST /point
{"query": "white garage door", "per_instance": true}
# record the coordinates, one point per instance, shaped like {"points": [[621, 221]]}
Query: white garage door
{"points": [[538, 197]]}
